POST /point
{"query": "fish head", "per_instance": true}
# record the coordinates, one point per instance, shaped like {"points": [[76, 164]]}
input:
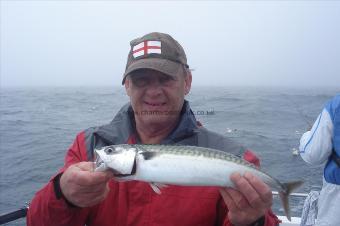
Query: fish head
{"points": [[118, 158]]}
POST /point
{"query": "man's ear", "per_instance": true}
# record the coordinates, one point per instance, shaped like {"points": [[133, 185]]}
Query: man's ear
{"points": [[187, 82], [127, 86]]}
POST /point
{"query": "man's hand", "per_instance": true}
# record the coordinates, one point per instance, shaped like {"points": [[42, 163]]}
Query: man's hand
{"points": [[82, 186], [249, 201]]}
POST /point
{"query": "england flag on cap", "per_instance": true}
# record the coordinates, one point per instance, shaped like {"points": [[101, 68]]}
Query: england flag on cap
{"points": [[146, 47]]}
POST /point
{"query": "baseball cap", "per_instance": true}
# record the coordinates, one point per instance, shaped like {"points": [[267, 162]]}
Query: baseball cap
{"points": [[156, 51]]}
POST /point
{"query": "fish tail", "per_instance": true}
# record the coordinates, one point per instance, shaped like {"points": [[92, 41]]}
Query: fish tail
{"points": [[284, 195]]}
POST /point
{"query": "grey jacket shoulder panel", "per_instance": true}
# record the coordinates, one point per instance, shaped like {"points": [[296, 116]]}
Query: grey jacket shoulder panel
{"points": [[116, 132], [207, 138]]}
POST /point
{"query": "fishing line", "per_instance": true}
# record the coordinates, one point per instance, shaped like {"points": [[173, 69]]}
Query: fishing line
{"points": [[301, 113]]}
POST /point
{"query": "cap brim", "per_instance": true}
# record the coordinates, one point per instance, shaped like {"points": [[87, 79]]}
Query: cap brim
{"points": [[163, 65]]}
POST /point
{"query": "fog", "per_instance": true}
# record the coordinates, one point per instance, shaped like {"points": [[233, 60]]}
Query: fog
{"points": [[237, 43]]}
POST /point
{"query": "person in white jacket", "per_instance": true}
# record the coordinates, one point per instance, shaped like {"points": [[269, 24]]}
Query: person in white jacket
{"points": [[321, 145]]}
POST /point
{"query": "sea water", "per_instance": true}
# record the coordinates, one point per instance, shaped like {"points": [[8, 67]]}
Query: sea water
{"points": [[38, 124]]}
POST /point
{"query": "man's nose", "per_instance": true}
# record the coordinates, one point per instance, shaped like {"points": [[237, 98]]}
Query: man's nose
{"points": [[154, 87]]}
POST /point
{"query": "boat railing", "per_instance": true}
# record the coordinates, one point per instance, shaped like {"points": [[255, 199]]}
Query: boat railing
{"points": [[292, 194]]}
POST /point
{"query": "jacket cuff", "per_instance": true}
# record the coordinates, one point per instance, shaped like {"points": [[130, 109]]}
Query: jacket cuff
{"points": [[259, 222], [58, 193]]}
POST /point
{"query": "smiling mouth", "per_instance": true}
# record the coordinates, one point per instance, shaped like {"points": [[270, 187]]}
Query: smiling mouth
{"points": [[155, 104]]}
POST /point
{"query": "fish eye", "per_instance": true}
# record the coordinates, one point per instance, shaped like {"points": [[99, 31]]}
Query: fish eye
{"points": [[109, 151]]}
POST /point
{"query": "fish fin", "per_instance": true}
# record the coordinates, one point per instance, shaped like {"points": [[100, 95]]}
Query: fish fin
{"points": [[284, 195], [147, 155], [156, 187]]}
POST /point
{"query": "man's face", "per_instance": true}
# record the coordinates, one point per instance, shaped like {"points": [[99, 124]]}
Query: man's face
{"points": [[156, 98]]}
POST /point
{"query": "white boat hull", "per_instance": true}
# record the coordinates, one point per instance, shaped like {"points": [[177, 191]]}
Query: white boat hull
{"points": [[285, 222]]}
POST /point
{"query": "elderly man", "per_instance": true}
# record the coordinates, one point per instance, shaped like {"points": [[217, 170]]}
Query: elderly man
{"points": [[156, 79]]}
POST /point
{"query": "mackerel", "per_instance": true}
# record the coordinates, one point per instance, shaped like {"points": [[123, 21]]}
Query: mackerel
{"points": [[162, 165]]}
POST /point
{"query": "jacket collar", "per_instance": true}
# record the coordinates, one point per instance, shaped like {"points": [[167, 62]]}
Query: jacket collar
{"points": [[186, 127]]}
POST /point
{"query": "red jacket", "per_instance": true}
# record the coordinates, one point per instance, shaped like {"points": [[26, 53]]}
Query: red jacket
{"points": [[135, 203]]}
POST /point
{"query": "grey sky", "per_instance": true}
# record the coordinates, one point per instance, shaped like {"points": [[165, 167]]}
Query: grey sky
{"points": [[271, 43]]}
